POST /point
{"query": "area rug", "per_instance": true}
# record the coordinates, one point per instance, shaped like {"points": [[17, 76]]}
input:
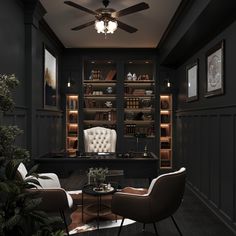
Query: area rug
{"points": [[89, 222]]}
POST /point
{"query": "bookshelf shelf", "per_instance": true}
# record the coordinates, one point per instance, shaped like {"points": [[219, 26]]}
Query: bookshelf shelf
{"points": [[165, 144], [72, 126], [139, 99], [99, 94]]}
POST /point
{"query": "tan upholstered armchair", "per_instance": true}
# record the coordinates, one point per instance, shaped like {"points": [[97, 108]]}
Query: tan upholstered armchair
{"points": [[159, 201], [54, 198], [99, 139]]}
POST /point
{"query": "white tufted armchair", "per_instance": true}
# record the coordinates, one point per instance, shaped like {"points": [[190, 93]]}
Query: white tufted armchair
{"points": [[99, 139]]}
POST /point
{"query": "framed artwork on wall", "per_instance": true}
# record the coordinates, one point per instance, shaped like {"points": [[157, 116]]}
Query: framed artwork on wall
{"points": [[192, 81], [215, 70], [50, 78]]}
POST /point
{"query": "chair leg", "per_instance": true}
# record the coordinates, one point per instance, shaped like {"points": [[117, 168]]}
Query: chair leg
{"points": [[121, 224], [64, 220], [155, 228], [177, 227]]}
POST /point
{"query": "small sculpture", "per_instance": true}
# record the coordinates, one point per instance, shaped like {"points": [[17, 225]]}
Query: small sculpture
{"points": [[129, 76], [134, 77], [109, 90], [108, 104]]}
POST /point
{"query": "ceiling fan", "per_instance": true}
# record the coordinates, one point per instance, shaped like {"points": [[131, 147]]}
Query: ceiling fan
{"points": [[109, 16]]}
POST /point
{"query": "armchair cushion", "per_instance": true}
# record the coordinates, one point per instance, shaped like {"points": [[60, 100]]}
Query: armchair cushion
{"points": [[51, 182]]}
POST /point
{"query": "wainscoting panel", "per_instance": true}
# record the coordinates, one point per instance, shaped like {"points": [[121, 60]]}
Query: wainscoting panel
{"points": [[226, 164], [49, 131], [204, 156], [17, 117], [214, 163], [205, 144]]}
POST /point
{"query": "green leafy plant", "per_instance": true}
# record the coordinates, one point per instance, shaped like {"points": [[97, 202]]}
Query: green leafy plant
{"points": [[18, 208], [98, 175]]}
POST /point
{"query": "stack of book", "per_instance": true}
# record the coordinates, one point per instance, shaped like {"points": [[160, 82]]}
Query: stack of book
{"points": [[139, 92]]}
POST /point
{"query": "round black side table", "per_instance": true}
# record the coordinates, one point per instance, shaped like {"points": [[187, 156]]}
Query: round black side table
{"points": [[97, 208]]}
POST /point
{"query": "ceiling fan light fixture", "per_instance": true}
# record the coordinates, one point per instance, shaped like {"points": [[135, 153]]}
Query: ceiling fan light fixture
{"points": [[111, 26], [106, 26], [106, 18], [100, 26]]}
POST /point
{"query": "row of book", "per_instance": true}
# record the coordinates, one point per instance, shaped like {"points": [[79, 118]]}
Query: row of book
{"points": [[110, 116], [96, 74], [132, 129]]}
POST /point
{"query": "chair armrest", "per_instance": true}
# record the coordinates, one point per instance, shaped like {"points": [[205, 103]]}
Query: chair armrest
{"points": [[51, 182], [132, 206], [132, 190], [53, 199]]}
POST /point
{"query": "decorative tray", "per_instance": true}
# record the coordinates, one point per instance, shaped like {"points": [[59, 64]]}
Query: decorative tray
{"points": [[98, 190]]}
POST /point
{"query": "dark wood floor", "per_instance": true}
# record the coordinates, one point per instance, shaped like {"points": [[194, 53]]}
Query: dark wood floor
{"points": [[193, 217]]}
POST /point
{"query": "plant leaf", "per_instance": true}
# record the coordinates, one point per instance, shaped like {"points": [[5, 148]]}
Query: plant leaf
{"points": [[12, 221]]}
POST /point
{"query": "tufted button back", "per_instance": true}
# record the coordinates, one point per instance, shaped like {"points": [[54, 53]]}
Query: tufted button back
{"points": [[99, 139]]}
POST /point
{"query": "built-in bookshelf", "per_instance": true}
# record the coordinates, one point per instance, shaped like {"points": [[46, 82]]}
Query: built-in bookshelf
{"points": [[165, 131], [139, 99], [124, 92], [72, 125], [99, 94]]}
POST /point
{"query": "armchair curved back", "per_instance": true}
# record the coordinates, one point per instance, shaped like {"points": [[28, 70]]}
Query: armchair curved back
{"points": [[166, 193], [100, 139]]}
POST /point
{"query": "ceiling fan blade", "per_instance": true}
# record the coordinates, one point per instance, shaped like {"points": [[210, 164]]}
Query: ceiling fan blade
{"points": [[83, 26], [72, 4], [126, 27], [135, 8]]}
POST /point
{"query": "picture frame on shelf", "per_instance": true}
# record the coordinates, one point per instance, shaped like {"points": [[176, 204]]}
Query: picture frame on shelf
{"points": [[192, 81], [215, 70], [50, 78]]}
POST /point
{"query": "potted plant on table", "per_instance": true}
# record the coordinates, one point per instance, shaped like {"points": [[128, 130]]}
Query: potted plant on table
{"points": [[98, 176]]}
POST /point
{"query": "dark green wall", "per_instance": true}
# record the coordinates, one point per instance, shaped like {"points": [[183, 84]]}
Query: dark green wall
{"points": [[206, 131], [21, 47]]}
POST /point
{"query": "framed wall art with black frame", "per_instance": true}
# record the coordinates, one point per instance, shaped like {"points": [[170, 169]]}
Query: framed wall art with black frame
{"points": [[192, 81], [215, 70], [50, 78]]}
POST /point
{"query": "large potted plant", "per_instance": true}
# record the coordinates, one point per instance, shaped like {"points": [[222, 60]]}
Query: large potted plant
{"points": [[18, 208]]}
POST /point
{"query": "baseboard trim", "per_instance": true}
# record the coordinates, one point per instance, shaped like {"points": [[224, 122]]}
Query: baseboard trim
{"points": [[213, 208]]}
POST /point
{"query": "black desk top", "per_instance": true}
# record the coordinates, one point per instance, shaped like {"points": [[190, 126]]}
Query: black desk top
{"points": [[97, 156]]}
